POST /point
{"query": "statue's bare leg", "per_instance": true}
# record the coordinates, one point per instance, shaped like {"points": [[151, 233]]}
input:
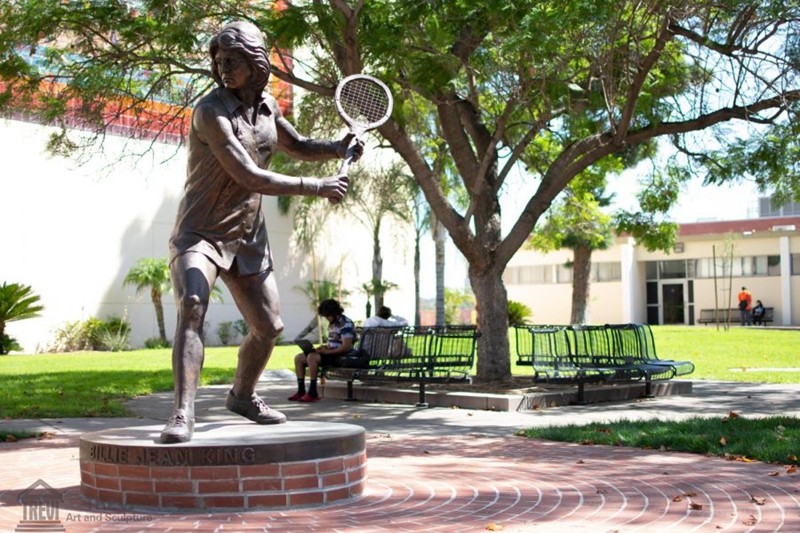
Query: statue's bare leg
{"points": [[257, 298], [193, 274]]}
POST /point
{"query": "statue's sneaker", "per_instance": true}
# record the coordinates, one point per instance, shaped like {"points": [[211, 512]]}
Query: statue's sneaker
{"points": [[179, 428], [254, 409]]}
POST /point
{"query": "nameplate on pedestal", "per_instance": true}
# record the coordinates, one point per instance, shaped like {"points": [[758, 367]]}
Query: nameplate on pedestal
{"points": [[162, 456]]}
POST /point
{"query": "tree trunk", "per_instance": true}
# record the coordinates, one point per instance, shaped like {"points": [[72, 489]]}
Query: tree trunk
{"points": [[581, 283], [494, 361], [162, 332], [377, 267], [417, 264], [439, 239]]}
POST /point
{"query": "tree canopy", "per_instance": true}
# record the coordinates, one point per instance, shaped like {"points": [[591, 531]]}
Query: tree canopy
{"points": [[500, 86]]}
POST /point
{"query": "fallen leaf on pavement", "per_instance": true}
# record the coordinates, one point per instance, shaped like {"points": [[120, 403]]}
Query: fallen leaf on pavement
{"points": [[494, 527], [695, 506]]}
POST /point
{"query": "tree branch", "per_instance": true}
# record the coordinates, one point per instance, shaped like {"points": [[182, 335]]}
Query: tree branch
{"points": [[635, 89]]}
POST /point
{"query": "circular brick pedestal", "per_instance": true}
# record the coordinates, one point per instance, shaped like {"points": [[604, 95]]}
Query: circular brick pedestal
{"points": [[231, 466]]}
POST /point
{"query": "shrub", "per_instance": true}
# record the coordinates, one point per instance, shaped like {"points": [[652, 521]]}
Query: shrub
{"points": [[518, 313], [92, 334], [154, 343], [71, 337], [225, 332], [113, 334], [17, 302], [241, 327], [113, 340], [9, 344]]}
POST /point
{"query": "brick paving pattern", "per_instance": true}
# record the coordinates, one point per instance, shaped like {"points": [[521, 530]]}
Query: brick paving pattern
{"points": [[464, 484]]}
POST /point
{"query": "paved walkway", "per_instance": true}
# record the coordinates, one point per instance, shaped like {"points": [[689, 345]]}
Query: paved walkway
{"points": [[459, 470]]}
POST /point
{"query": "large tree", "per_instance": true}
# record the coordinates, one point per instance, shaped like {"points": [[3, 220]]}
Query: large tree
{"points": [[506, 81]]}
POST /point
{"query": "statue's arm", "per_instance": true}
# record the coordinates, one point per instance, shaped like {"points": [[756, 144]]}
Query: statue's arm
{"points": [[213, 127], [300, 147]]}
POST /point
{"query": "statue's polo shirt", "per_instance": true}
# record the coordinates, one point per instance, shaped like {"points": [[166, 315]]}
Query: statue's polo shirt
{"points": [[216, 216]]}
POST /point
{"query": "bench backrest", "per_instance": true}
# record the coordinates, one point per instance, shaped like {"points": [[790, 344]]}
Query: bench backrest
{"points": [[633, 342], [543, 346], [383, 342], [426, 349], [591, 344], [454, 345]]}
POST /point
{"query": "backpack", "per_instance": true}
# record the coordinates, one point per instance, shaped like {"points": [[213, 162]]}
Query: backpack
{"points": [[743, 305]]}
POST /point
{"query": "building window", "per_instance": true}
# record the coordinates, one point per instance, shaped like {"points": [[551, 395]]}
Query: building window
{"points": [[672, 269], [528, 275], [795, 264], [773, 265], [563, 274], [531, 275], [606, 272], [767, 208], [651, 270]]}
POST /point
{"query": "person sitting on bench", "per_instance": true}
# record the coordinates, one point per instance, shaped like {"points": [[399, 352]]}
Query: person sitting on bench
{"points": [[759, 313]]}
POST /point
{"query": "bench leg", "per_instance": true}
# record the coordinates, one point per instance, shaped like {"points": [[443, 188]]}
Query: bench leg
{"points": [[581, 400], [648, 388], [350, 397], [422, 402]]}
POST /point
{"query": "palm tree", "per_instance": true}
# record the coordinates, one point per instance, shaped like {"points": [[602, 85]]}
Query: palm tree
{"points": [[153, 274], [17, 302]]}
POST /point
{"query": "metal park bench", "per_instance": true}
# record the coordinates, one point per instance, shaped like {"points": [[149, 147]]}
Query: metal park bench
{"points": [[421, 355], [547, 350], [595, 346], [636, 341], [720, 316], [581, 355]]}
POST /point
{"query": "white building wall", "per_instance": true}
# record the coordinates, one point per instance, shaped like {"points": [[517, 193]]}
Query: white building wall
{"points": [[73, 233], [626, 300]]}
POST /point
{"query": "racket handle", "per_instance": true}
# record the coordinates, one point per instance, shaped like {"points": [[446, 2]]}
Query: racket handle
{"points": [[348, 158]]}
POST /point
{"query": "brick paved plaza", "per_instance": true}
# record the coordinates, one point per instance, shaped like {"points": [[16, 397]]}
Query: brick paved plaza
{"points": [[458, 470]]}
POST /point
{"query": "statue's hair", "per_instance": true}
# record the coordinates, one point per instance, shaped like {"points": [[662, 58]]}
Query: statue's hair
{"points": [[246, 38]]}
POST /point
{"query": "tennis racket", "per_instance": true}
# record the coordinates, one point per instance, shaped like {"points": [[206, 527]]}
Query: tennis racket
{"points": [[364, 103]]}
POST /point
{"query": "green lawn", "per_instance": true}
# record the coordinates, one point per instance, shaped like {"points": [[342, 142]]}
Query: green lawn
{"points": [[739, 354], [98, 383], [772, 439], [91, 384]]}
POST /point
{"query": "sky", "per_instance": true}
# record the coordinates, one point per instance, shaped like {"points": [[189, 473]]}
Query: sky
{"points": [[696, 203], [718, 203]]}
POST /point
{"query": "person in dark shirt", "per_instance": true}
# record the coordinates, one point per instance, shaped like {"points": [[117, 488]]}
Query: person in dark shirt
{"points": [[341, 342], [758, 312]]}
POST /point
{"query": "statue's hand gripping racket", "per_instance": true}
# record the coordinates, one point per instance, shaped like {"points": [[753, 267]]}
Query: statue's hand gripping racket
{"points": [[364, 103]]}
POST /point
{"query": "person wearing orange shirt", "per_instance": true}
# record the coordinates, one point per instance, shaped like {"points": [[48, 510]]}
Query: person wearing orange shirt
{"points": [[745, 301]]}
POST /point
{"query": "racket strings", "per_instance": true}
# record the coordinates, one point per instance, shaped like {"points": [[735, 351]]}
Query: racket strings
{"points": [[363, 101]]}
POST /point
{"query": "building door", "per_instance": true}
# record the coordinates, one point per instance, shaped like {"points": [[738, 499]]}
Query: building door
{"points": [[673, 303]]}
